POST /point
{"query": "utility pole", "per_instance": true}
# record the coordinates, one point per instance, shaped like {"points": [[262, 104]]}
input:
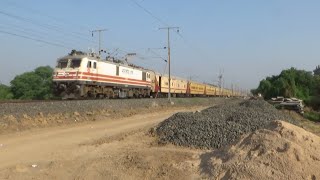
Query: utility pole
{"points": [[99, 31], [232, 89], [168, 29], [220, 83]]}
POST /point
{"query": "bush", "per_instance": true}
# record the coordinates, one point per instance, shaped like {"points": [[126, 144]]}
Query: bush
{"points": [[33, 85], [5, 92], [290, 83]]}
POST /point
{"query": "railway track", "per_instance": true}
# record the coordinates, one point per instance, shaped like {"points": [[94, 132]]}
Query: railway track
{"points": [[75, 100], [30, 101], [59, 100]]}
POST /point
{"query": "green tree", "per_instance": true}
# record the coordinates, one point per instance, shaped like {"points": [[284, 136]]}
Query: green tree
{"points": [[5, 92], [33, 85], [289, 83]]}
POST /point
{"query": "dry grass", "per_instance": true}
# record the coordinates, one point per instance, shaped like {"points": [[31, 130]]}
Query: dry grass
{"points": [[308, 125]]}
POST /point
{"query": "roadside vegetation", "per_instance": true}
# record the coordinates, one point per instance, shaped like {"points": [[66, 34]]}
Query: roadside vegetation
{"points": [[5, 92], [294, 83], [312, 115], [34, 85], [289, 83]]}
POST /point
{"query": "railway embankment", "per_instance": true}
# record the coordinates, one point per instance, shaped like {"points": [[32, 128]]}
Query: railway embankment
{"points": [[15, 116]]}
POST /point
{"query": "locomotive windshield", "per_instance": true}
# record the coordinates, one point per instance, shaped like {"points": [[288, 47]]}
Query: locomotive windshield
{"points": [[75, 63], [63, 63], [70, 63]]}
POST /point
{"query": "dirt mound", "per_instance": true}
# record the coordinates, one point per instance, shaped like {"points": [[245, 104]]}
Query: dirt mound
{"points": [[283, 151], [218, 126]]}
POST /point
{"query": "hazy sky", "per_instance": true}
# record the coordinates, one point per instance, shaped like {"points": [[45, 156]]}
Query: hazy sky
{"points": [[247, 39]]}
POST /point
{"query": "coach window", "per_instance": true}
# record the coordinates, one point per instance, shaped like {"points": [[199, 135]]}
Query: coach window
{"points": [[95, 65], [89, 64]]}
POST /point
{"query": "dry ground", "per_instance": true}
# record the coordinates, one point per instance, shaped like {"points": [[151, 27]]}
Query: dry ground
{"points": [[109, 149], [125, 148], [311, 126]]}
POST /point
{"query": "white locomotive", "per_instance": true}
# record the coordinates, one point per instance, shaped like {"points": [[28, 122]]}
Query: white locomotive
{"points": [[82, 75], [85, 75]]}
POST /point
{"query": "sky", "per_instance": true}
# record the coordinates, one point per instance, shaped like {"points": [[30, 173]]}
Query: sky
{"points": [[245, 40]]}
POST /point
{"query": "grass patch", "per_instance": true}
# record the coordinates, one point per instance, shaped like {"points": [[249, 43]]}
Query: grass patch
{"points": [[307, 124], [312, 116]]}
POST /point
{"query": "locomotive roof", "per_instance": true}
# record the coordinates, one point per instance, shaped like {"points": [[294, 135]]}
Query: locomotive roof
{"points": [[80, 56]]}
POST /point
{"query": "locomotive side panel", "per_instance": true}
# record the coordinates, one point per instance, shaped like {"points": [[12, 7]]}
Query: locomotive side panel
{"points": [[107, 69]]}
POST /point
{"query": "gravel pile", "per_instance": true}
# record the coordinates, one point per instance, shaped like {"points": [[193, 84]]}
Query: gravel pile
{"points": [[219, 125]]}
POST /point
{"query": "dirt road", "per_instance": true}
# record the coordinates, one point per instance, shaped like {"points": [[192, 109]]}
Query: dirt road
{"points": [[54, 148]]}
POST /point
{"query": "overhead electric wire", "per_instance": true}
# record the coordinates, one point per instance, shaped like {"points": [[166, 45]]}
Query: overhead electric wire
{"points": [[166, 24], [149, 12], [24, 28], [35, 39], [33, 32], [36, 33], [34, 11], [30, 33], [159, 20], [43, 25], [157, 55], [141, 59], [154, 16]]}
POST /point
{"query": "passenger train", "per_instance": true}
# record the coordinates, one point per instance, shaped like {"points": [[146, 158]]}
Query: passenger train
{"points": [[85, 75]]}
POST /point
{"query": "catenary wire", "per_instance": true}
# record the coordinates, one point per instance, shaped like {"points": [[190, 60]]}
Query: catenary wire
{"points": [[35, 39]]}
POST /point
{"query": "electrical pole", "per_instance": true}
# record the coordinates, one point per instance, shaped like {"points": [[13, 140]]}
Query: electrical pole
{"points": [[99, 31], [220, 82], [232, 89], [168, 29]]}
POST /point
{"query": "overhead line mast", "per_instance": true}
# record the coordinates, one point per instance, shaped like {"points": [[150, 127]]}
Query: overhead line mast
{"points": [[169, 56], [99, 31]]}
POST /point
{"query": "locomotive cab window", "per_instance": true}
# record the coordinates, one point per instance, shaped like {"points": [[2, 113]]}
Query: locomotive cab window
{"points": [[95, 65], [63, 63], [89, 64], [75, 63]]}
